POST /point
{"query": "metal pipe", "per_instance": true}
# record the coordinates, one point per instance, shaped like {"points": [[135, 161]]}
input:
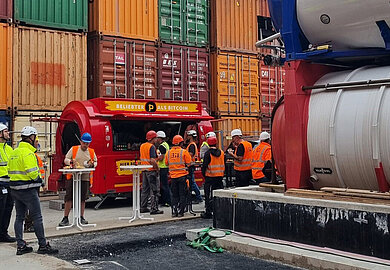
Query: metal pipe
{"points": [[268, 39], [345, 85]]}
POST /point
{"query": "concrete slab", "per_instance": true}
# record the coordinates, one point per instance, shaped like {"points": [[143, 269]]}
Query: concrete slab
{"points": [[106, 219], [296, 254]]}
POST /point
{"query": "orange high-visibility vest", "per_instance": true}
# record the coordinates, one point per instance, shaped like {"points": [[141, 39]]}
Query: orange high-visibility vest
{"points": [[177, 158], [246, 163], [216, 166], [40, 165], [195, 157], [145, 154], [261, 154], [75, 149]]}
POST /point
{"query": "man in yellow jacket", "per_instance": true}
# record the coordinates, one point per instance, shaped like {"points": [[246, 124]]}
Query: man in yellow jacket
{"points": [[25, 182], [6, 201]]}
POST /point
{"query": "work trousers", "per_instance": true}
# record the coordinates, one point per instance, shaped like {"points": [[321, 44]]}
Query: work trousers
{"points": [[165, 191], [178, 186], [193, 185], [211, 184], [6, 205], [243, 178], [28, 199], [150, 188]]}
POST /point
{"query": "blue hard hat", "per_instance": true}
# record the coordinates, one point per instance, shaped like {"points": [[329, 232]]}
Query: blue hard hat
{"points": [[86, 137]]}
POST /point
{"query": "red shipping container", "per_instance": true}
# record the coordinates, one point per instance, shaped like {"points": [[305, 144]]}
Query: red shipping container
{"points": [[121, 68], [184, 74], [271, 87], [6, 10]]}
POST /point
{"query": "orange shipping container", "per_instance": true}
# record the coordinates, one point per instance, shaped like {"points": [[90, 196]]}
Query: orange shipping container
{"points": [[5, 66], [250, 127], [262, 8], [235, 84], [126, 18], [233, 25], [49, 68]]}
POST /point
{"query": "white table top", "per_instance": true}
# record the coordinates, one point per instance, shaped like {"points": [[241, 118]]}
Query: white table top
{"points": [[75, 170], [136, 167]]}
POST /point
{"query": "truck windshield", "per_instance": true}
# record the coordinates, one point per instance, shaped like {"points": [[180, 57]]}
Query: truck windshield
{"points": [[129, 135]]}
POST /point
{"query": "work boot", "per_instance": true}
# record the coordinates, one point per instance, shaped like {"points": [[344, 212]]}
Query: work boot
{"points": [[83, 221], [7, 238], [64, 222], [47, 249], [144, 210], [206, 215], [180, 215], [24, 249], [157, 212]]}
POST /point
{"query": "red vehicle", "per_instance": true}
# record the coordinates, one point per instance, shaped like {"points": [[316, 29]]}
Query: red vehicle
{"points": [[118, 128]]}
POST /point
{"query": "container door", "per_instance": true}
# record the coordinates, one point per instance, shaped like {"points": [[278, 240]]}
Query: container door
{"points": [[271, 87], [227, 84], [143, 70], [249, 85], [171, 30], [172, 77], [196, 22], [197, 89]]}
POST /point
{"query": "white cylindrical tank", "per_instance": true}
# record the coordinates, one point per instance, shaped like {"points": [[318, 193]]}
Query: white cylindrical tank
{"points": [[348, 131], [345, 24]]}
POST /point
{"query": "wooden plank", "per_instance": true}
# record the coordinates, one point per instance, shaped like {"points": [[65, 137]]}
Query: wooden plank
{"points": [[272, 186], [351, 190]]}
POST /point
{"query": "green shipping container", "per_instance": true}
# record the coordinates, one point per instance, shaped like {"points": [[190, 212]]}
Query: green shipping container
{"points": [[184, 22], [60, 14]]}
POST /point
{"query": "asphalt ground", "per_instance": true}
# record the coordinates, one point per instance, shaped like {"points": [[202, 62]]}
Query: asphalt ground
{"points": [[156, 246]]}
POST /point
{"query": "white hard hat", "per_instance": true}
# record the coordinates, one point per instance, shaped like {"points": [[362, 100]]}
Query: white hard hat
{"points": [[2, 127], [191, 133], [161, 134], [210, 134], [27, 131], [264, 136], [236, 132]]}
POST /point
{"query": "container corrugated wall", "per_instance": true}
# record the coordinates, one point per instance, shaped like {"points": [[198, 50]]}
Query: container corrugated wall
{"points": [[6, 10], [233, 25], [184, 74], [49, 68], [250, 126], [61, 14], [262, 8], [235, 84], [184, 22], [5, 66], [271, 87], [126, 18], [121, 68]]}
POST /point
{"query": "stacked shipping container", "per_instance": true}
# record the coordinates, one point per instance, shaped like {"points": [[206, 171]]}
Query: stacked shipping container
{"points": [[43, 54]]}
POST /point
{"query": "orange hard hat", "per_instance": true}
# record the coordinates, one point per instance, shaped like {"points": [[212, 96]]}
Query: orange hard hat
{"points": [[151, 135], [212, 141], [177, 139]]}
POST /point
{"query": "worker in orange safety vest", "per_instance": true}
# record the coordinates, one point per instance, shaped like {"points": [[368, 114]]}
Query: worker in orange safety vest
{"points": [[242, 158], [261, 155], [213, 169], [79, 156], [178, 159], [192, 149]]}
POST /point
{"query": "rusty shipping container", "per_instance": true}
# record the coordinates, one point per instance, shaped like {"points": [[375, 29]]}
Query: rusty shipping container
{"points": [[233, 25], [184, 74], [271, 87], [6, 10], [59, 14], [121, 68], [262, 8], [136, 19], [49, 68], [5, 66], [250, 127], [235, 84]]}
